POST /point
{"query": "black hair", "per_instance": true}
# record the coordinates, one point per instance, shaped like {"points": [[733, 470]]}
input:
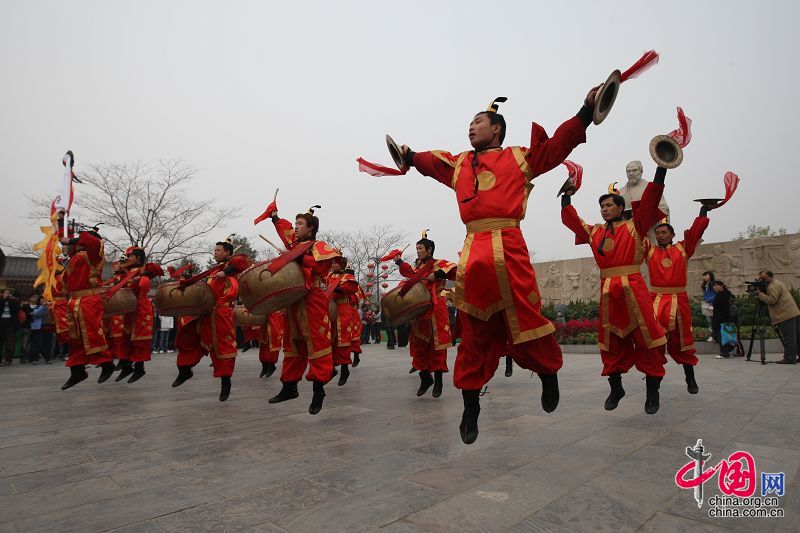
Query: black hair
{"points": [[228, 247], [429, 245], [140, 256], [668, 226], [312, 221], [767, 272], [704, 285], [618, 199], [720, 283], [496, 118]]}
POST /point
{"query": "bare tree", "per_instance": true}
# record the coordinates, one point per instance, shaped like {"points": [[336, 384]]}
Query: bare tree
{"points": [[145, 207]]}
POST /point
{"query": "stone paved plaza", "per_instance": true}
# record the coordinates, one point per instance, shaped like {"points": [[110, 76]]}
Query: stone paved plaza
{"points": [[146, 457]]}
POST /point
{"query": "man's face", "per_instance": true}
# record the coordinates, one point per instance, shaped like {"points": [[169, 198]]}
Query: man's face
{"points": [[422, 252], [220, 253], [301, 228], [6, 294], [336, 265], [765, 277], [634, 173], [482, 131], [609, 210], [664, 236], [717, 288]]}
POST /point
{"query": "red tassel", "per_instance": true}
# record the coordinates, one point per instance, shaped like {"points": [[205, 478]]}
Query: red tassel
{"points": [[575, 173], [684, 132], [153, 270], [265, 215], [731, 181], [648, 60], [374, 169], [391, 255]]}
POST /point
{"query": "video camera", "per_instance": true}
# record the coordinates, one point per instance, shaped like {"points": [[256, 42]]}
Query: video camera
{"points": [[756, 285]]}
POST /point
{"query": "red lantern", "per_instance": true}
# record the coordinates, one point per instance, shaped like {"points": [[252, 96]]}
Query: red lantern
{"points": [[370, 265], [385, 267], [368, 294], [370, 284], [369, 275], [384, 285], [385, 276]]}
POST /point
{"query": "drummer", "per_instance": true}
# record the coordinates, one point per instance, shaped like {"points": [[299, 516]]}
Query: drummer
{"points": [[496, 291], [307, 332], [114, 327], [270, 337], [213, 334], [430, 333], [340, 286]]}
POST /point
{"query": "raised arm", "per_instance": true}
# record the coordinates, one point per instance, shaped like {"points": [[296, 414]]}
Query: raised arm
{"points": [[648, 212], [546, 153], [406, 270], [693, 235], [570, 218], [285, 230]]}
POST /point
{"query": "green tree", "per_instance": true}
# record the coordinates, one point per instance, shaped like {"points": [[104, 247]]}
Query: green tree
{"points": [[754, 231]]}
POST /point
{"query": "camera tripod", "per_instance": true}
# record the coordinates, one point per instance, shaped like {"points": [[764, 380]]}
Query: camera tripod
{"points": [[759, 326]]}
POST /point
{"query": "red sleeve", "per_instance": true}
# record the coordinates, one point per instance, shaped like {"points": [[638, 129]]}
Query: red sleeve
{"points": [[406, 270], [436, 164], [648, 212], [143, 287], [285, 231], [582, 231], [692, 236], [93, 246], [347, 287], [546, 154]]}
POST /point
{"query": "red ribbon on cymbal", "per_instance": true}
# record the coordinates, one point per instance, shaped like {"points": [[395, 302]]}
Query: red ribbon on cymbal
{"points": [[683, 135], [373, 169], [731, 181], [649, 59]]}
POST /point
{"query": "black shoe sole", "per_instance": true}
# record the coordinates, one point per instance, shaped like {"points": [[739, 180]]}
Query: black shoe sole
{"points": [[136, 377], [70, 383], [123, 374], [610, 404], [180, 381], [279, 399]]}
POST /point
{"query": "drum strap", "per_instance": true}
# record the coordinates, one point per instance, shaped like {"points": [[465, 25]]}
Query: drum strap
{"points": [[113, 290], [286, 258], [417, 277]]}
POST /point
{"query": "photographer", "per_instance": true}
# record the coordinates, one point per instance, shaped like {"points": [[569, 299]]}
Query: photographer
{"points": [[783, 312]]}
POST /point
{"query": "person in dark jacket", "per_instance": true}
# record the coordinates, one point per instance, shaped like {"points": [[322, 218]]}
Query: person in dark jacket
{"points": [[723, 300], [9, 325]]}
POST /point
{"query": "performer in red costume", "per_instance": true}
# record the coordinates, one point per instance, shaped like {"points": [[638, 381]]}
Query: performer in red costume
{"points": [[629, 333], [340, 286], [139, 325], [430, 333], [270, 337], [357, 326], [496, 291], [118, 340], [58, 310], [307, 332], [213, 334], [668, 264], [82, 282]]}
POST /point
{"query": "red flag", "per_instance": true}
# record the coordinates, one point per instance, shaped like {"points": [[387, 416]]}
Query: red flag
{"points": [[394, 254], [575, 173], [683, 135], [731, 181], [377, 170], [649, 59], [265, 215], [177, 273]]}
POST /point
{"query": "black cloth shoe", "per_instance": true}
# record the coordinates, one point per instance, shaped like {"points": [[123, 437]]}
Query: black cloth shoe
{"points": [[76, 375], [785, 362], [225, 388], [119, 364], [469, 420], [425, 382], [344, 375], [356, 359], [316, 400], [509, 366], [105, 373], [125, 368], [550, 394], [617, 392], [437, 383], [412, 370], [267, 369], [288, 392], [184, 373], [138, 372], [691, 384], [651, 403]]}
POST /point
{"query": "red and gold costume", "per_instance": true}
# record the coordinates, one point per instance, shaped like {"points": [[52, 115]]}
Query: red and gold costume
{"points": [[212, 334], [341, 286], [430, 333], [629, 332], [82, 281], [307, 332], [269, 337], [667, 266], [357, 326], [58, 311], [139, 325], [118, 338], [495, 288]]}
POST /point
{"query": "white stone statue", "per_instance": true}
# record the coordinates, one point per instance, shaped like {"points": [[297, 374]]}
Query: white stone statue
{"points": [[632, 191]]}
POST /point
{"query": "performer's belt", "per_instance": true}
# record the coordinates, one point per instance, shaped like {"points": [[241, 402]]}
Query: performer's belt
{"points": [[490, 224], [668, 290], [625, 270], [85, 292], [341, 300]]}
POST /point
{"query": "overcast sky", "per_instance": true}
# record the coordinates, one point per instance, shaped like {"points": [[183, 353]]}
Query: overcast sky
{"points": [[259, 95]]}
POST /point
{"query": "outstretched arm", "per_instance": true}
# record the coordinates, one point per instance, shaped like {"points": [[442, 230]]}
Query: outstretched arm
{"points": [[648, 212], [570, 218], [284, 228], [437, 164], [692, 236]]}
